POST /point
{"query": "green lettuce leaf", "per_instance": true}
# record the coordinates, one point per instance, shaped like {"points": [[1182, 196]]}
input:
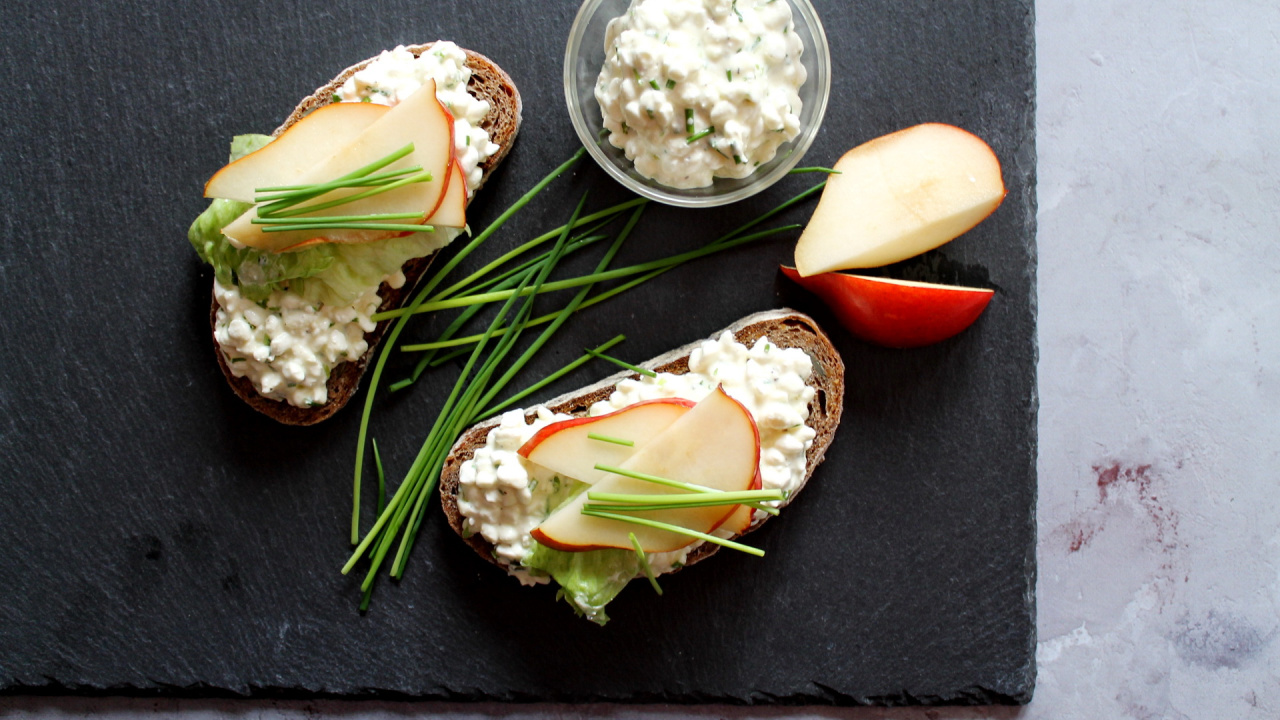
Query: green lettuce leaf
{"points": [[327, 273], [588, 580]]}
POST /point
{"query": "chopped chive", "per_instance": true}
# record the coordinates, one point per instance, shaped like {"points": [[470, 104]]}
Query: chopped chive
{"points": [[688, 120], [624, 364], [654, 84], [678, 530], [729, 74], [698, 136], [670, 83], [644, 563], [606, 438]]}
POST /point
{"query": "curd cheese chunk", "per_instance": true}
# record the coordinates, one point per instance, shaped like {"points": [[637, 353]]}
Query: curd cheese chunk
{"points": [[693, 90], [502, 496]]}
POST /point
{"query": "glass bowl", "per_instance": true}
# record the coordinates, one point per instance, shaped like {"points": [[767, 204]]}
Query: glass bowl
{"points": [[584, 56]]}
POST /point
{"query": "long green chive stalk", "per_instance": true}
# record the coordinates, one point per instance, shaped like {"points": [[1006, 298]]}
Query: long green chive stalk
{"points": [[459, 411], [494, 410], [701, 499], [293, 197], [664, 263], [610, 438], [644, 563], [688, 487], [676, 529], [625, 365], [418, 299]]}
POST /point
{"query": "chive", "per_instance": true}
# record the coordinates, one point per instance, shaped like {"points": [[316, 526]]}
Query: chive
{"points": [[698, 136], [691, 499], [606, 438], [688, 120], [624, 364], [664, 263], [737, 159], [360, 172], [670, 83], [340, 218], [382, 478], [280, 192], [644, 563], [676, 529], [348, 226], [550, 378], [595, 300], [417, 300], [690, 487], [729, 74], [424, 176], [800, 170], [654, 84], [567, 311]]}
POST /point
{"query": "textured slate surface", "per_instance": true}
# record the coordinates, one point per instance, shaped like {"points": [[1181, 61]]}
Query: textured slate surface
{"points": [[162, 538]]}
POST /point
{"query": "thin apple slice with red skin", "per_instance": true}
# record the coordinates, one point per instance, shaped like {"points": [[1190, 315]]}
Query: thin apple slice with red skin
{"points": [[896, 313], [715, 444], [451, 211], [900, 195], [565, 448], [304, 145], [419, 119]]}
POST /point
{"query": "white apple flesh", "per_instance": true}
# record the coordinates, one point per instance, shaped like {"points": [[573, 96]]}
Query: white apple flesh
{"points": [[898, 196], [566, 447], [716, 444], [419, 119], [306, 143]]}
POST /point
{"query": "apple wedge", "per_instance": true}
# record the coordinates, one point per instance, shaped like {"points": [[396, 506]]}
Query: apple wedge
{"points": [[567, 448], [419, 119], [715, 444], [898, 196], [896, 313], [303, 146]]}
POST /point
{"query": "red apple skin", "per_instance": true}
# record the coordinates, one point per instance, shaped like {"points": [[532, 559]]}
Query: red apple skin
{"points": [[556, 427], [896, 313]]}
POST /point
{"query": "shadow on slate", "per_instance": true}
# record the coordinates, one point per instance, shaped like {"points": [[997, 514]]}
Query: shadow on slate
{"points": [[161, 538]]}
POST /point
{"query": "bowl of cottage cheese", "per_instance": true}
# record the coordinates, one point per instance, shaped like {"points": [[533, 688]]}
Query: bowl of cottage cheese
{"points": [[697, 103]]}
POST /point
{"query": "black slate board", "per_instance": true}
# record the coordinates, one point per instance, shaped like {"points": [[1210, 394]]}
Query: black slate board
{"points": [[159, 537]]}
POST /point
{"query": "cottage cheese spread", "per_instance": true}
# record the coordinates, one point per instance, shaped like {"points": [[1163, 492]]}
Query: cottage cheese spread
{"points": [[288, 346], [503, 496], [698, 89]]}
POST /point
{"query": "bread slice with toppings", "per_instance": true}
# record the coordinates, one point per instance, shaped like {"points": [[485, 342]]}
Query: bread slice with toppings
{"points": [[784, 328], [488, 82]]}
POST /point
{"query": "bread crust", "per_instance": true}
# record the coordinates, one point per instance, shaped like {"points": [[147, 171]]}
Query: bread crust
{"points": [[488, 82], [784, 327]]}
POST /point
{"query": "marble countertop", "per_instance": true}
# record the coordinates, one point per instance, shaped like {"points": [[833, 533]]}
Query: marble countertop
{"points": [[1159, 328]]}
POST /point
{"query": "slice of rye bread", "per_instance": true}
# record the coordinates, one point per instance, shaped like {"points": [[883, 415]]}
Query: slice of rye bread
{"points": [[785, 327], [488, 82]]}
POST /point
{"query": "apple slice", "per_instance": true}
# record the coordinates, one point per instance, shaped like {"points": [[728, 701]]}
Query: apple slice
{"points": [[306, 144], [419, 119], [451, 211], [565, 448], [716, 444], [898, 196], [896, 313]]}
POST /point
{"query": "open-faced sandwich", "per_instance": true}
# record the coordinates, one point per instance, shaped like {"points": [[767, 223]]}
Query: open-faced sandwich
{"points": [[646, 472], [337, 215]]}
